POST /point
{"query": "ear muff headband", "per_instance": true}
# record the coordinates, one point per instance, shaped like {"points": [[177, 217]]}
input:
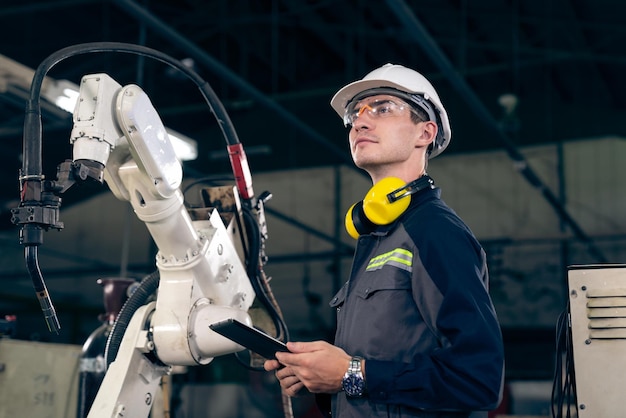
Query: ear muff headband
{"points": [[384, 203]]}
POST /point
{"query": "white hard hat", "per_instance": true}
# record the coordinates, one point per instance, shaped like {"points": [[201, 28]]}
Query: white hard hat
{"points": [[405, 80]]}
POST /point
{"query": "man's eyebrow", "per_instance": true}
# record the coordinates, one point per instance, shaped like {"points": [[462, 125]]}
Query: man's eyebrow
{"points": [[364, 102]]}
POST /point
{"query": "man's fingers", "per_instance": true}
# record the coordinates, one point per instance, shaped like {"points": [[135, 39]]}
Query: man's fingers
{"points": [[305, 347], [270, 365], [292, 388], [283, 373], [289, 382]]}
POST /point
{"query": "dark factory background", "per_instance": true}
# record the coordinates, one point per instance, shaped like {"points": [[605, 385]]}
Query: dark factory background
{"points": [[536, 97]]}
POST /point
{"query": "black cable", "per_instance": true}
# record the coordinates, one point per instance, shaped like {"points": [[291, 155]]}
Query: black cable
{"points": [[211, 180], [255, 275], [259, 283], [564, 383], [207, 92], [146, 289]]}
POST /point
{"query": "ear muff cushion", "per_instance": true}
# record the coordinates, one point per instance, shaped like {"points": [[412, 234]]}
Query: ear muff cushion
{"points": [[349, 222], [377, 207], [356, 222]]}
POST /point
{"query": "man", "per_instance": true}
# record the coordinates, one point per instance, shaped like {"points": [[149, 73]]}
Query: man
{"points": [[417, 334]]}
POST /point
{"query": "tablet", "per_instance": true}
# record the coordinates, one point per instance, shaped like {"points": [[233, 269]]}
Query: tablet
{"points": [[249, 337]]}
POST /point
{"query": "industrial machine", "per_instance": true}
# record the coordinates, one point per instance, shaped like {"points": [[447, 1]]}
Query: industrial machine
{"points": [[597, 301], [591, 339], [209, 265]]}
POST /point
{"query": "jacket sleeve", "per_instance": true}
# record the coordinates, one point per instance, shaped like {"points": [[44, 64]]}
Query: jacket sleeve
{"points": [[466, 371]]}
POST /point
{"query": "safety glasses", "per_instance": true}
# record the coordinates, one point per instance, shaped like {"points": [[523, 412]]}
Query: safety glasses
{"points": [[376, 109]]}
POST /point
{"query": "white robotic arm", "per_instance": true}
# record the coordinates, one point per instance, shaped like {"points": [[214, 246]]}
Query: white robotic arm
{"points": [[202, 271], [210, 268]]}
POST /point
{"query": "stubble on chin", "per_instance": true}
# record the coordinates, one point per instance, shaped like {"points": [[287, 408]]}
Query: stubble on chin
{"points": [[364, 162]]}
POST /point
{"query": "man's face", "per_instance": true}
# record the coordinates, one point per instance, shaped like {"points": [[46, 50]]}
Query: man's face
{"points": [[383, 133]]}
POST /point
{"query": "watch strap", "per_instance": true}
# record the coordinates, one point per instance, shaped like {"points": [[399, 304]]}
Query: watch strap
{"points": [[355, 365]]}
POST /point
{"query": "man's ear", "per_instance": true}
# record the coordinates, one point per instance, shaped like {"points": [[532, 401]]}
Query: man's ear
{"points": [[427, 134]]}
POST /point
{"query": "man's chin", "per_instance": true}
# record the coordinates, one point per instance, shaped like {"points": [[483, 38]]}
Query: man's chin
{"points": [[364, 161]]}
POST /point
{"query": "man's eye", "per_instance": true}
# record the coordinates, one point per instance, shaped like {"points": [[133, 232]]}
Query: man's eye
{"points": [[383, 108]]}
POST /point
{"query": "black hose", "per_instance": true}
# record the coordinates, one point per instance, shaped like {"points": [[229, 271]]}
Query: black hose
{"points": [[33, 106], [146, 289], [256, 275]]}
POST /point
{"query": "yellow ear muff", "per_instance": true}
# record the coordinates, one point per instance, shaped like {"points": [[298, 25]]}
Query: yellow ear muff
{"points": [[376, 205], [376, 209]]}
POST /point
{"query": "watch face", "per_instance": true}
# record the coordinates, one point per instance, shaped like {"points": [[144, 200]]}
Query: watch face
{"points": [[353, 385]]}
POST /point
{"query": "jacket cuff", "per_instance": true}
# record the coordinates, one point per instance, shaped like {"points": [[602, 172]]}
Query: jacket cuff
{"points": [[379, 379]]}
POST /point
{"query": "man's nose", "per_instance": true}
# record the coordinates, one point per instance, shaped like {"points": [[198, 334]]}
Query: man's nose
{"points": [[362, 122]]}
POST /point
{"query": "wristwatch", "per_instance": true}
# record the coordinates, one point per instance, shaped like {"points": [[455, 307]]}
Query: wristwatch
{"points": [[353, 382]]}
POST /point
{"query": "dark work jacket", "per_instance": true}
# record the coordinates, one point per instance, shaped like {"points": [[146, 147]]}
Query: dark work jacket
{"points": [[417, 308]]}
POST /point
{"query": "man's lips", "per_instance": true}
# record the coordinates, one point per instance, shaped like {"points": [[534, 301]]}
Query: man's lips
{"points": [[363, 139]]}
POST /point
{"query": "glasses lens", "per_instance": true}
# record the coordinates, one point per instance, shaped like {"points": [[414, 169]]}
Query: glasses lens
{"points": [[380, 108]]}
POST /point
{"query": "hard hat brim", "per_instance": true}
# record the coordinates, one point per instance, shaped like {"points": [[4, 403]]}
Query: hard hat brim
{"points": [[341, 99]]}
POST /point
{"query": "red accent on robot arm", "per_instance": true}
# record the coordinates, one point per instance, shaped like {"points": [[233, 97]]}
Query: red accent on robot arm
{"points": [[239, 163]]}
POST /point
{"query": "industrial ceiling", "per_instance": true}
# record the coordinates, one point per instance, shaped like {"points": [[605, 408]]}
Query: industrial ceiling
{"points": [[511, 73]]}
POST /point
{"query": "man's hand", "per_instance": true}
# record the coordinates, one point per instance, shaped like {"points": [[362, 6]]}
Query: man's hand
{"points": [[317, 366]]}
